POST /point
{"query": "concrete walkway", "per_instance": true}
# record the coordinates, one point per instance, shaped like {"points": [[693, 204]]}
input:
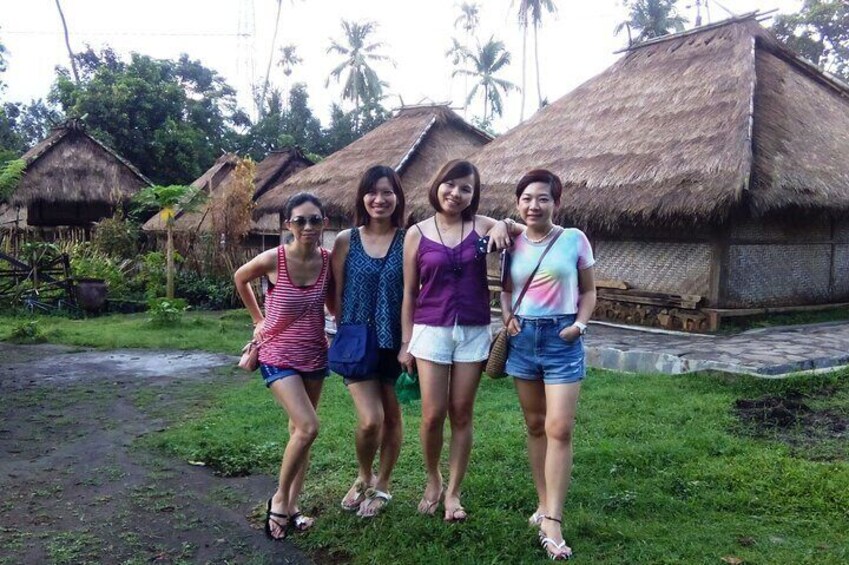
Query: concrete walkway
{"points": [[768, 352]]}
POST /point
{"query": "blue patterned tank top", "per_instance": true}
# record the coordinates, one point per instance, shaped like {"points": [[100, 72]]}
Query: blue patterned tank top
{"points": [[373, 291]]}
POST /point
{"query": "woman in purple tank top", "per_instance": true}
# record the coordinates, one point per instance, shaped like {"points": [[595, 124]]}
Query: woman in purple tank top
{"points": [[445, 321]]}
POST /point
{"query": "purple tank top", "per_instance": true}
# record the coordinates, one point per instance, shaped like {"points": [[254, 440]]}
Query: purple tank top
{"points": [[453, 284]]}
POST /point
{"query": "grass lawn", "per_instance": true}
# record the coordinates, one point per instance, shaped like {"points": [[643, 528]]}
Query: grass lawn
{"points": [[666, 470]]}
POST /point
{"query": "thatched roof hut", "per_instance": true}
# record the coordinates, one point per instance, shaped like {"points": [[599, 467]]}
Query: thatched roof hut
{"points": [[275, 168], [415, 142], [687, 129], [71, 178], [710, 169]]}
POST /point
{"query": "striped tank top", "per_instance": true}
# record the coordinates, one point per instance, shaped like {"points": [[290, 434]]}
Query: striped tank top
{"points": [[294, 316]]}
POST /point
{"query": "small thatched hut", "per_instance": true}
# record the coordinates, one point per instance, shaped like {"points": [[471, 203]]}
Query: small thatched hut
{"points": [[415, 142], [71, 180], [275, 168], [710, 169]]}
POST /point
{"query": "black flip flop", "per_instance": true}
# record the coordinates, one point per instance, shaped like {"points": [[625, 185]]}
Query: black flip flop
{"points": [[269, 517]]}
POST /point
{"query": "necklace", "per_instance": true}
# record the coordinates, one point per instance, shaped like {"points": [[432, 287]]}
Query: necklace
{"points": [[456, 266], [543, 238]]}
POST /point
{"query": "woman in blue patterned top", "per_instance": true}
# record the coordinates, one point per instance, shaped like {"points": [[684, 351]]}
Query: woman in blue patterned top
{"points": [[367, 264]]}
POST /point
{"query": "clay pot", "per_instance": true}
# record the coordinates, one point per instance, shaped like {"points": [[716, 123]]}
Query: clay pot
{"points": [[91, 294]]}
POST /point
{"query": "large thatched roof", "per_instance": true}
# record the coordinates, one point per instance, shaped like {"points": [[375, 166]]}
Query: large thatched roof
{"points": [[275, 168], [70, 166], [415, 142], [692, 128]]}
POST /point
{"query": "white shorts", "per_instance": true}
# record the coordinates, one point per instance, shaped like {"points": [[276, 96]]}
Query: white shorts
{"points": [[450, 344]]}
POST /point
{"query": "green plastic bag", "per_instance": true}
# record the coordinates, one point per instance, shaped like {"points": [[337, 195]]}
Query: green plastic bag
{"points": [[407, 388]]}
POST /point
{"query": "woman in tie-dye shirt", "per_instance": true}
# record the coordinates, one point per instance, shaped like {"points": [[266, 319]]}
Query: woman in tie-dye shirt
{"points": [[546, 353]]}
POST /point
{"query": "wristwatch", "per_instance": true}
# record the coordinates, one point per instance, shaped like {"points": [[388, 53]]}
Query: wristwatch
{"points": [[582, 327]]}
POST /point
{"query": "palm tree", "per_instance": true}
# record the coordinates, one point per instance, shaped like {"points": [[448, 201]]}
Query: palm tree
{"points": [[68, 43], [486, 62], [271, 56], [289, 59], [468, 21], [168, 200], [531, 13], [651, 18], [469, 17], [362, 85]]}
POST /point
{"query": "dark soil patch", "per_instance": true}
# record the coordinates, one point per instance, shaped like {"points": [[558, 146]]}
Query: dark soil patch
{"points": [[77, 487], [794, 419]]}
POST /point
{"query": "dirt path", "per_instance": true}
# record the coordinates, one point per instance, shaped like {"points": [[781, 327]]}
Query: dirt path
{"points": [[75, 485]]}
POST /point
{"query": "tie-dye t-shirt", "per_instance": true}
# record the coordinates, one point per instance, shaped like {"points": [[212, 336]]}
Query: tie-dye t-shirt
{"points": [[554, 290]]}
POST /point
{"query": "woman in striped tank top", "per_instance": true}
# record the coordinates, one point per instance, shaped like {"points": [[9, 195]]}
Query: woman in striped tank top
{"points": [[293, 354]]}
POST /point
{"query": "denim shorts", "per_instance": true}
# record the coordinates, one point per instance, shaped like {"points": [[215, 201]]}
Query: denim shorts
{"points": [[387, 372], [538, 352], [450, 344], [270, 373]]}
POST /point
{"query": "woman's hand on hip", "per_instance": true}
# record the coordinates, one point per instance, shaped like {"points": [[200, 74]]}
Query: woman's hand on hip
{"points": [[513, 327], [570, 333]]}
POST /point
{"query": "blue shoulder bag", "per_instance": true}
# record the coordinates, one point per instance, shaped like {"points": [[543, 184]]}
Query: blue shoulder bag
{"points": [[353, 353]]}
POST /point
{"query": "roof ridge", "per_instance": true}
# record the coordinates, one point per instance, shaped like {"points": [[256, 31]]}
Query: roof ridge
{"points": [[749, 16]]}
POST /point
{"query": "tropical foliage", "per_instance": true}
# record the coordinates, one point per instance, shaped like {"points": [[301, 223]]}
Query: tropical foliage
{"points": [[531, 14], [819, 32], [167, 201], [651, 18], [484, 64], [362, 85]]}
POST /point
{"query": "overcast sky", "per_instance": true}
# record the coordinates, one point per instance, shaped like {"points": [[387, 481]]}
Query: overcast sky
{"points": [[234, 37]]}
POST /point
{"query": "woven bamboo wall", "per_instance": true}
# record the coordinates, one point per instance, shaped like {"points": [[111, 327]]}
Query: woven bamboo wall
{"points": [[784, 263], [671, 267]]}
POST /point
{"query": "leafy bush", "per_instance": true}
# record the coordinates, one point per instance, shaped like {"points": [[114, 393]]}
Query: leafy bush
{"points": [[207, 292], [28, 332], [152, 272], [166, 312], [88, 262], [116, 237]]}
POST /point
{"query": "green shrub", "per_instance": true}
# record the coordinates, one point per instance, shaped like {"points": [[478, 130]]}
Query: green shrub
{"points": [[116, 237], [89, 262], [206, 292], [28, 332], [166, 312]]}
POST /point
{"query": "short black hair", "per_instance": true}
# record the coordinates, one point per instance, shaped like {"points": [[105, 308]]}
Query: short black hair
{"points": [[543, 176], [300, 198]]}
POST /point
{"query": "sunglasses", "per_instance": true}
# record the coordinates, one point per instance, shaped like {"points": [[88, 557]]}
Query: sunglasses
{"points": [[301, 222]]}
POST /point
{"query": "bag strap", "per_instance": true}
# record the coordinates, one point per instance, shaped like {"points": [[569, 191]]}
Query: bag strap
{"points": [[534, 272]]}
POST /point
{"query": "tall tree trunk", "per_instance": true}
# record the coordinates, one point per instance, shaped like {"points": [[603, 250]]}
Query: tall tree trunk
{"points": [[68, 44], [169, 264], [536, 63], [524, 70], [485, 100], [270, 59]]}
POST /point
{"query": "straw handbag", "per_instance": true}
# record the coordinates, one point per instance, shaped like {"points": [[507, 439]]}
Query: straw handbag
{"points": [[498, 350]]}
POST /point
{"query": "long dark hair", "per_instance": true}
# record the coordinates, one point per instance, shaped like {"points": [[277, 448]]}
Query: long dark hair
{"points": [[454, 170], [367, 183]]}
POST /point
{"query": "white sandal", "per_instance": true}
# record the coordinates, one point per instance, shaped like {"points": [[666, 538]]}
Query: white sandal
{"points": [[555, 551], [374, 494]]}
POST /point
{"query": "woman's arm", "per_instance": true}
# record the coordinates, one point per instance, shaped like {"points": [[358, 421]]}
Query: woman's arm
{"points": [[262, 264], [501, 232], [411, 293], [586, 303], [337, 265]]}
